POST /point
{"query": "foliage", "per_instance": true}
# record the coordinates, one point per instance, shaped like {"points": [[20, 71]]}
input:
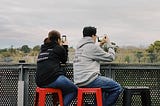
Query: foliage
{"points": [[36, 48], [127, 59], [25, 49], [154, 51], [139, 55], [123, 55]]}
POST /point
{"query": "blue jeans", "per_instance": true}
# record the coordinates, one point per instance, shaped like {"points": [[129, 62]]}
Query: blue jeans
{"points": [[69, 90], [110, 89]]}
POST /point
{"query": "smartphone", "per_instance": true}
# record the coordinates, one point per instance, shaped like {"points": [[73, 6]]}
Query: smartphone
{"points": [[64, 38], [100, 38]]}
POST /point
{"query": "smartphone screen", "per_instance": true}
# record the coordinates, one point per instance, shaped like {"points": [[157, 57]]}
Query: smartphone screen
{"points": [[64, 38]]}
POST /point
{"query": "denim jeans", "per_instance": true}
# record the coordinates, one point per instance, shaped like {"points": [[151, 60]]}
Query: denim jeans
{"points": [[110, 89], [69, 90]]}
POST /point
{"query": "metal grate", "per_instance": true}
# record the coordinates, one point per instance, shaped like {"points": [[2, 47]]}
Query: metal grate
{"points": [[31, 87], [125, 74], [8, 87], [147, 78]]}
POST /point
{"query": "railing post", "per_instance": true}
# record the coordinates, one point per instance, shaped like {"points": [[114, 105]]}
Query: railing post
{"points": [[21, 84], [108, 73], [20, 87], [112, 71]]}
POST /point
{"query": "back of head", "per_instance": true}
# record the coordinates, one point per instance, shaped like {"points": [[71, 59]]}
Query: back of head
{"points": [[53, 36], [89, 31]]}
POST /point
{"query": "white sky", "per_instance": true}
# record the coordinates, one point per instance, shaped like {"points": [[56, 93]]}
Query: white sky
{"points": [[127, 22]]}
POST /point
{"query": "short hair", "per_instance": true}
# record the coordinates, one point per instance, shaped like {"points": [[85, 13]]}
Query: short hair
{"points": [[54, 35], [89, 31]]}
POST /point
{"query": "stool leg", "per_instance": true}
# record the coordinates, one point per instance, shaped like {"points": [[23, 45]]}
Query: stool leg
{"points": [[127, 96], [99, 98], [80, 98], [55, 98], [42, 99], [145, 97], [36, 99], [60, 98]]}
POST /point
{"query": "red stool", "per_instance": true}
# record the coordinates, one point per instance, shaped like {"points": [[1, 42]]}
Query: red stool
{"points": [[82, 91], [41, 95]]}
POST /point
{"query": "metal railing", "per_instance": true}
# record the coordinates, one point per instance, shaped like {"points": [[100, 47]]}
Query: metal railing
{"points": [[17, 81]]}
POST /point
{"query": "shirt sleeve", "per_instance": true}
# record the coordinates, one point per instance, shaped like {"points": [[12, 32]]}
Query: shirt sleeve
{"points": [[63, 53], [101, 55]]}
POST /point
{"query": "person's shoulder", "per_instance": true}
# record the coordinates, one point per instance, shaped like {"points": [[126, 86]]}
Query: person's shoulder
{"points": [[58, 47], [95, 47], [91, 46]]}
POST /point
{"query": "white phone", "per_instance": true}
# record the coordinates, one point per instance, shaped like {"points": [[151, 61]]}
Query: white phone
{"points": [[64, 38]]}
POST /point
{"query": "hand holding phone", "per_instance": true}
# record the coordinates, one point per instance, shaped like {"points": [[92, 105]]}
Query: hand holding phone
{"points": [[64, 40], [104, 40]]}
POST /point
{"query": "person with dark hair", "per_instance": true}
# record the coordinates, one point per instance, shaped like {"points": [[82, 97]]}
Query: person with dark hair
{"points": [[86, 65], [49, 71]]}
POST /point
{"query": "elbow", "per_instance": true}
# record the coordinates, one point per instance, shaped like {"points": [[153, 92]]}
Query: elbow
{"points": [[113, 57]]}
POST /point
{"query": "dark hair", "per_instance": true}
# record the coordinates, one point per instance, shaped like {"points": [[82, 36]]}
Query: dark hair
{"points": [[53, 36], [46, 40], [89, 31]]}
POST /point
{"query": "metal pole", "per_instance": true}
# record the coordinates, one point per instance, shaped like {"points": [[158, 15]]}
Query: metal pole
{"points": [[20, 88]]}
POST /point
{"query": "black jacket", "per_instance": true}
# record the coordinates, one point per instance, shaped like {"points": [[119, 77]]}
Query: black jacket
{"points": [[49, 63]]}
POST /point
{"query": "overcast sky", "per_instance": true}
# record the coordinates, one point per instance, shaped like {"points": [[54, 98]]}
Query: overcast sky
{"points": [[127, 22]]}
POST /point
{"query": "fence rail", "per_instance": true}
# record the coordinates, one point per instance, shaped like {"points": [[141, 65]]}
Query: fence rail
{"points": [[17, 81]]}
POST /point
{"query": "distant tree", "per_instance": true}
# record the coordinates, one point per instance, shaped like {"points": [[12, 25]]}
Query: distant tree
{"points": [[36, 48], [127, 59], [157, 46], [71, 47], [154, 51], [150, 49], [3, 50], [152, 57], [139, 55], [25, 49]]}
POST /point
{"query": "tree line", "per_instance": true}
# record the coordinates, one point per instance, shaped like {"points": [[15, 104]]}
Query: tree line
{"points": [[151, 54]]}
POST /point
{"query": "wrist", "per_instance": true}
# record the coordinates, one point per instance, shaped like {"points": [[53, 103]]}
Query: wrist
{"points": [[101, 44]]}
